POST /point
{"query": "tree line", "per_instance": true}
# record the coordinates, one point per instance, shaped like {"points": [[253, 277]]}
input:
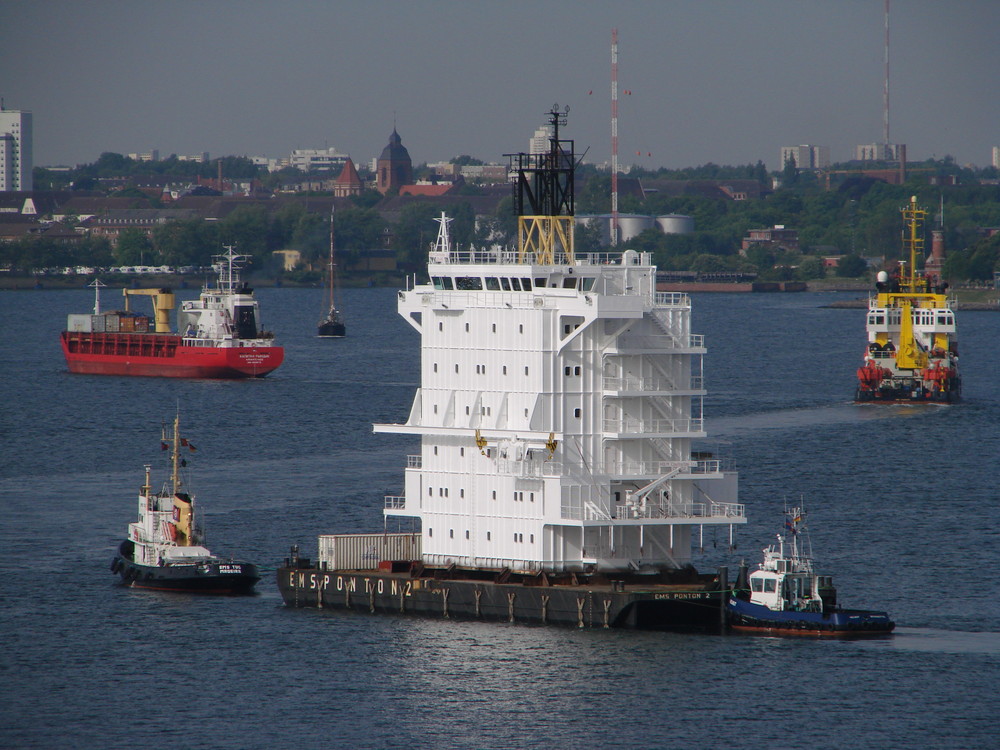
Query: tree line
{"points": [[859, 218]]}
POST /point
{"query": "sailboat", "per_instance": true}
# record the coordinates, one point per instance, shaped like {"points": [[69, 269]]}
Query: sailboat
{"points": [[332, 326]]}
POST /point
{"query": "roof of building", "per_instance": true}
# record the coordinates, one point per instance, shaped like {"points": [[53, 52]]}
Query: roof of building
{"points": [[395, 150], [432, 190], [349, 175]]}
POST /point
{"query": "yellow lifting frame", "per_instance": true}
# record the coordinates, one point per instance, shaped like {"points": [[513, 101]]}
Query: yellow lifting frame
{"points": [[545, 236]]}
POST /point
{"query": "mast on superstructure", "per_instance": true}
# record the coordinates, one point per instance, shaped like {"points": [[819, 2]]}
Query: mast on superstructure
{"points": [[913, 240], [175, 452], [544, 198], [97, 295]]}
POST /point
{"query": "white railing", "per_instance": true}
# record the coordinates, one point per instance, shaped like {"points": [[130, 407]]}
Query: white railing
{"points": [[672, 299], [513, 467], [691, 341], [659, 468], [495, 256], [632, 426], [396, 502], [667, 509], [472, 297], [710, 511], [633, 383]]}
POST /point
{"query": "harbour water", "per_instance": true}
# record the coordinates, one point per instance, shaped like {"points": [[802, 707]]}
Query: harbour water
{"points": [[902, 504]]}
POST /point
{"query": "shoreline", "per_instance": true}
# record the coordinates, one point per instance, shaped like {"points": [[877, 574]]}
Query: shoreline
{"points": [[975, 298]]}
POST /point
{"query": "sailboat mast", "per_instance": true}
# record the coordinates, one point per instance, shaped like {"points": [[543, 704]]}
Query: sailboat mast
{"points": [[330, 280]]}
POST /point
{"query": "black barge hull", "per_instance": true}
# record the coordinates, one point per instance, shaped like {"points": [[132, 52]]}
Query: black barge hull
{"points": [[697, 605], [232, 578]]}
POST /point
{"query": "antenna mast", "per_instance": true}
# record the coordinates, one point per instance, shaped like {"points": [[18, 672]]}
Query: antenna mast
{"points": [[614, 137], [885, 84]]}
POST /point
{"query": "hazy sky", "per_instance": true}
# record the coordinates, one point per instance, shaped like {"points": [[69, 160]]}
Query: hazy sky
{"points": [[724, 81]]}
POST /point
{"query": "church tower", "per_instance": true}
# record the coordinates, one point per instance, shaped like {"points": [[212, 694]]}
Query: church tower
{"points": [[395, 168]]}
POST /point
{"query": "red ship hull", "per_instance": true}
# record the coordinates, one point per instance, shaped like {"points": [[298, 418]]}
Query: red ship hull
{"points": [[164, 355]]}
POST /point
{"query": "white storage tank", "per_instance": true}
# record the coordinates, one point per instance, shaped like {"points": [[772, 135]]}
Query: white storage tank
{"points": [[632, 225], [675, 224], [601, 221]]}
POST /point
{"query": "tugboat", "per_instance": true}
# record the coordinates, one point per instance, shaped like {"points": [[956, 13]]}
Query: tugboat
{"points": [[332, 326], [912, 353], [785, 596], [164, 548], [219, 334], [556, 482]]}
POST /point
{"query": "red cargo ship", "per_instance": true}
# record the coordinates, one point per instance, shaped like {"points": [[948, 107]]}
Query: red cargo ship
{"points": [[219, 335]]}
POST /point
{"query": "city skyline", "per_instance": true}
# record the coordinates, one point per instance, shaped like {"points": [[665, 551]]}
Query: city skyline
{"points": [[726, 82]]}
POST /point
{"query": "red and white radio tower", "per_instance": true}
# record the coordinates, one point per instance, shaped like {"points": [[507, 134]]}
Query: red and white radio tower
{"points": [[614, 137], [885, 84]]}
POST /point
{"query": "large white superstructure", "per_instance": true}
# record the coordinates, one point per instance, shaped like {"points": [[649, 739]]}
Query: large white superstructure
{"points": [[559, 399]]}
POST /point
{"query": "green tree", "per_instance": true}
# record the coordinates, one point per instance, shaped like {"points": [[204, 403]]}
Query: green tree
{"points": [[134, 248], [414, 231], [357, 230], [246, 229], [588, 238], [311, 236], [810, 268], [185, 243], [851, 266]]}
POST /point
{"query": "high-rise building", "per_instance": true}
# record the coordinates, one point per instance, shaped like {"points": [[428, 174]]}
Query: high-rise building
{"points": [[806, 156], [16, 160], [878, 152], [996, 157], [539, 143]]}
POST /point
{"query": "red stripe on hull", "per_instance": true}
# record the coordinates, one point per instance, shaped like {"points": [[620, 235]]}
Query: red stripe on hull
{"points": [[163, 355]]}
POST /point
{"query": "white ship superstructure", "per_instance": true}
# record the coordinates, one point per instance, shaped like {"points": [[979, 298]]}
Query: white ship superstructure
{"points": [[558, 402]]}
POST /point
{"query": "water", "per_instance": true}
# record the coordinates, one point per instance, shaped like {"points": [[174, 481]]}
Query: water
{"points": [[902, 505]]}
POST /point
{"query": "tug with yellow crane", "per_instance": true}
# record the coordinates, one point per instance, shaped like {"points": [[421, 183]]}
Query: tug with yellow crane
{"points": [[912, 351]]}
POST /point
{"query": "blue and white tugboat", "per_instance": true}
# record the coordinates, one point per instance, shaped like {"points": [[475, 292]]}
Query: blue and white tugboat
{"points": [[785, 596], [164, 549]]}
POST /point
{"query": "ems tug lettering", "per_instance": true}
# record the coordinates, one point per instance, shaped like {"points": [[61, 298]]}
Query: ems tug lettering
{"points": [[556, 482], [912, 353]]}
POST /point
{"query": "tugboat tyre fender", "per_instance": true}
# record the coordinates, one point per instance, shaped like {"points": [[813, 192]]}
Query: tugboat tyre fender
{"points": [[114, 565]]}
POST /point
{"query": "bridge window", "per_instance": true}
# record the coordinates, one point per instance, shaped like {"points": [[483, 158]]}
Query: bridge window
{"points": [[493, 283], [505, 283], [468, 283]]}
